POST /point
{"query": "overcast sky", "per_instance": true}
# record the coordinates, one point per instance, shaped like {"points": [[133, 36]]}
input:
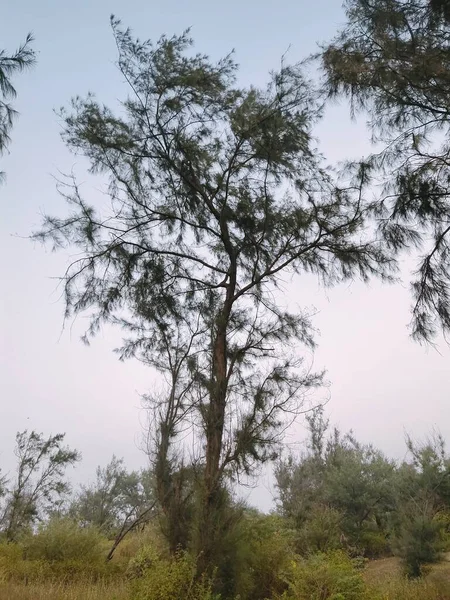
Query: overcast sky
{"points": [[382, 384]]}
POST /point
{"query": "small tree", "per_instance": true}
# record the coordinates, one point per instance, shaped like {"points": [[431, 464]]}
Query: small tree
{"points": [[432, 465], [39, 486], [423, 494], [216, 194], [339, 483], [116, 497], [22, 59], [420, 541], [169, 415]]}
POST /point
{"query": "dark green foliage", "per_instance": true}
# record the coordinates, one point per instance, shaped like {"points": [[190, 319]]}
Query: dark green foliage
{"points": [[252, 562], [359, 484], [226, 515], [178, 508], [422, 498], [175, 483], [393, 60], [39, 486], [23, 58], [263, 553], [420, 543], [432, 463], [216, 193]]}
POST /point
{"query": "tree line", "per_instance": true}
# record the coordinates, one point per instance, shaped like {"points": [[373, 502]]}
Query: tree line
{"points": [[338, 494]]}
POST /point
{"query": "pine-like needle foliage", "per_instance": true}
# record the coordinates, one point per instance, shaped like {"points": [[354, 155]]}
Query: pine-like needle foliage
{"points": [[393, 60]]}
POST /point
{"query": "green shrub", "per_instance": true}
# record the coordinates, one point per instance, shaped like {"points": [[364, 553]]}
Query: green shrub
{"points": [[255, 557], [443, 518], [137, 540], [59, 551], [420, 545], [10, 560], [168, 578], [258, 559], [320, 532], [63, 540], [331, 576], [375, 544], [144, 559]]}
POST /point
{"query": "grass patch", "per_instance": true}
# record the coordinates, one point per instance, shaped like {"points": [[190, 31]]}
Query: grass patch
{"points": [[385, 581], [320, 576], [58, 591]]}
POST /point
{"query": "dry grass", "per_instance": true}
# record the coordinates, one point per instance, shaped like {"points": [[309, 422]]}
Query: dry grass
{"points": [[440, 576], [384, 577], [404, 589], [382, 570], [55, 591]]}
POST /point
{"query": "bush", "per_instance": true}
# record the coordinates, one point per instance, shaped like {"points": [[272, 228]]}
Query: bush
{"points": [[135, 541], [144, 559], [63, 540], [420, 545], [375, 544], [11, 560], [320, 532], [443, 518], [59, 551], [331, 576], [168, 578], [258, 559]]}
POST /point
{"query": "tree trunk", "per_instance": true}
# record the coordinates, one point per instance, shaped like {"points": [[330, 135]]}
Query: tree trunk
{"points": [[209, 527]]}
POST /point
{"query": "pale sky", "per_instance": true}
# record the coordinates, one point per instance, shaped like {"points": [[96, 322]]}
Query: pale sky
{"points": [[382, 383]]}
